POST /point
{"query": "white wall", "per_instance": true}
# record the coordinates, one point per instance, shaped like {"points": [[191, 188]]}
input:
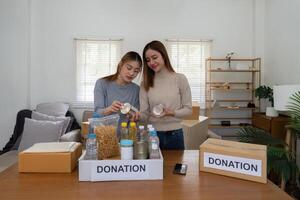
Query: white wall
{"points": [[232, 24], [14, 39], [55, 23], [282, 43]]}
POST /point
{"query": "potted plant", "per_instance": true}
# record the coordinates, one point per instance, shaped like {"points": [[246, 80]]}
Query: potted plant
{"points": [[265, 92], [281, 159], [294, 112]]}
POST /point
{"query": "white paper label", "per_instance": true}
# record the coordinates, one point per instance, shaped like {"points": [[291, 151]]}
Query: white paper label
{"points": [[154, 146], [113, 170], [235, 164]]}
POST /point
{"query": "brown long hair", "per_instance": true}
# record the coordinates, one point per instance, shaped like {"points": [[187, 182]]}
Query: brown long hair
{"points": [[129, 56], [148, 73]]}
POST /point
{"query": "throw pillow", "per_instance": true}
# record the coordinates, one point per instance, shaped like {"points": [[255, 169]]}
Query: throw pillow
{"points": [[53, 109], [40, 131], [17, 144], [40, 116]]}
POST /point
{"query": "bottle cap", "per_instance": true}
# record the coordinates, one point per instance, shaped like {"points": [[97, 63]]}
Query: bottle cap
{"points": [[92, 135], [124, 124], [141, 127], [151, 129], [132, 124], [126, 142], [153, 133]]}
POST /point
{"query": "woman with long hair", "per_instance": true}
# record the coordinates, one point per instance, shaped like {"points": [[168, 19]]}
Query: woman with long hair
{"points": [[111, 92], [164, 89]]}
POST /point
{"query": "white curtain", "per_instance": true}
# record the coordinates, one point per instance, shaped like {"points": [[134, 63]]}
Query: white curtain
{"points": [[94, 59], [188, 57]]}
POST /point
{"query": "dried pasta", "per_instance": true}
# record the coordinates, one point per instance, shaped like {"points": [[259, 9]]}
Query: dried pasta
{"points": [[107, 140]]}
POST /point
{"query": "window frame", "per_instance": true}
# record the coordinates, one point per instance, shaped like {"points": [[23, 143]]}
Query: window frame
{"points": [[203, 56], [81, 104]]}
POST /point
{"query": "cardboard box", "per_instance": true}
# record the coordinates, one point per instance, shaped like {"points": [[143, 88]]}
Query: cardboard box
{"points": [[50, 161], [235, 159], [116, 170], [84, 131], [196, 112], [195, 132], [85, 128]]}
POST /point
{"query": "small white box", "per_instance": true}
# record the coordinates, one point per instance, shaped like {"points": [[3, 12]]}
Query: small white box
{"points": [[116, 170]]}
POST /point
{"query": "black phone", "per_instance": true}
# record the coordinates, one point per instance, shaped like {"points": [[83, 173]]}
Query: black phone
{"points": [[180, 169]]}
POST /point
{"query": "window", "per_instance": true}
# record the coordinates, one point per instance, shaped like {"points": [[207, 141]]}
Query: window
{"points": [[188, 57], [94, 59]]}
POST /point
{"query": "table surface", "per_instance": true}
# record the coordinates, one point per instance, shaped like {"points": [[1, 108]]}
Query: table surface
{"points": [[195, 185]]}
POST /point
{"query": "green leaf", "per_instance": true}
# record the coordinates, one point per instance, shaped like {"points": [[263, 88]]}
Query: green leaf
{"points": [[279, 160], [258, 136], [282, 162], [294, 112], [264, 92]]}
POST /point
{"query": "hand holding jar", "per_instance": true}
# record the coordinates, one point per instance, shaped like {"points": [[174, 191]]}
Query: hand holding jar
{"points": [[129, 110], [161, 111], [113, 108]]}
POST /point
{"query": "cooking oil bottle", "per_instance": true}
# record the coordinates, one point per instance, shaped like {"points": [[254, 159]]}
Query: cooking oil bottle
{"points": [[132, 132]]}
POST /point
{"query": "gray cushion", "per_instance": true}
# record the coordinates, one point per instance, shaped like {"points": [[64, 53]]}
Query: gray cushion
{"points": [[53, 109], [17, 143], [41, 116], [72, 136], [40, 131]]}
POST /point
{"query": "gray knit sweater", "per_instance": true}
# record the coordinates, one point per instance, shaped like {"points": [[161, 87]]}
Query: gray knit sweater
{"points": [[105, 92]]}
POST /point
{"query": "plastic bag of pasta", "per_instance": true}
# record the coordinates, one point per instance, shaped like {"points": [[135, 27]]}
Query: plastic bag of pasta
{"points": [[105, 129]]}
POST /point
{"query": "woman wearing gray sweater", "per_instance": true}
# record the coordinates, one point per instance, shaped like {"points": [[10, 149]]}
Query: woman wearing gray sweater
{"points": [[163, 86], [111, 92]]}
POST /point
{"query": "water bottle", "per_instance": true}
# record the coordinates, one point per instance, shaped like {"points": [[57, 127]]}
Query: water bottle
{"points": [[153, 145], [96, 115], [149, 126], [91, 147], [148, 129], [140, 147], [142, 134], [124, 131]]}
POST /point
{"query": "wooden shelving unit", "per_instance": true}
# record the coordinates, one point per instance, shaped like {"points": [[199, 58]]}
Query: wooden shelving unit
{"points": [[227, 127], [231, 118], [223, 89], [236, 108], [229, 82], [231, 70], [230, 89], [231, 100]]}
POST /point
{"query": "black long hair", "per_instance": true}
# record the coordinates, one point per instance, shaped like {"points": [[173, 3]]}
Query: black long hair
{"points": [[129, 56]]}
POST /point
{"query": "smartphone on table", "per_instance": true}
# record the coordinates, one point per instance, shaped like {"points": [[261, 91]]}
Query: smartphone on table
{"points": [[180, 169]]}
